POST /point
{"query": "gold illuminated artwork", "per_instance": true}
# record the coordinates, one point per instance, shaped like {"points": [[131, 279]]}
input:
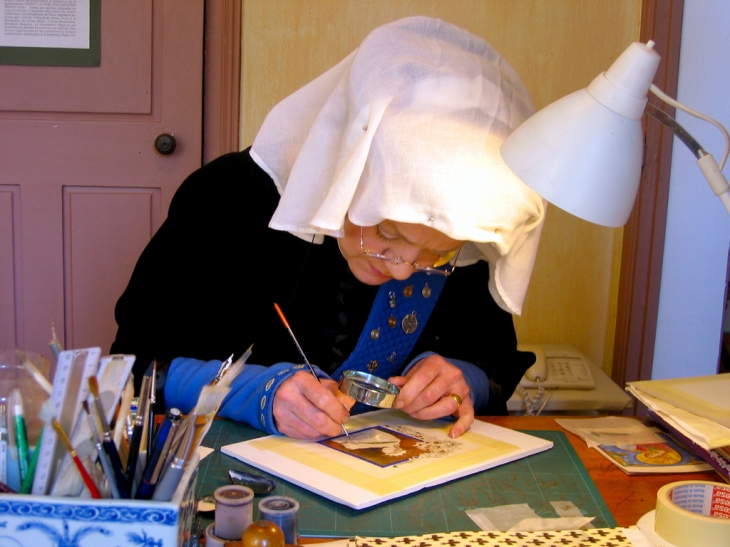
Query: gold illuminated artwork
{"points": [[384, 447], [388, 454]]}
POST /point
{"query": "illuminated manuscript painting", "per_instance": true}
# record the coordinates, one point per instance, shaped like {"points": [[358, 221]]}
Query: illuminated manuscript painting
{"points": [[387, 455]]}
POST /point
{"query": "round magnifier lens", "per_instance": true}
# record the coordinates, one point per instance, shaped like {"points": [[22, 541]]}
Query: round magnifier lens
{"points": [[368, 389]]}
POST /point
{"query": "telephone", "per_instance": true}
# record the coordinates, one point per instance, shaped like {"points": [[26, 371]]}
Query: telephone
{"points": [[557, 367]]}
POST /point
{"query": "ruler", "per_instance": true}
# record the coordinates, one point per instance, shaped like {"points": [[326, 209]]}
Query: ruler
{"points": [[70, 389]]}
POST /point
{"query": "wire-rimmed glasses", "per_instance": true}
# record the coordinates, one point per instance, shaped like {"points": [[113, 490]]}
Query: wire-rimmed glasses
{"points": [[435, 269]]}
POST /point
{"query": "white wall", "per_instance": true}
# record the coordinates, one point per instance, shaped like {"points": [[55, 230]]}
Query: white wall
{"points": [[691, 301]]}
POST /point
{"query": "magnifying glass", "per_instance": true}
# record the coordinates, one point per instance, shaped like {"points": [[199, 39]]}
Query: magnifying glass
{"points": [[368, 389]]}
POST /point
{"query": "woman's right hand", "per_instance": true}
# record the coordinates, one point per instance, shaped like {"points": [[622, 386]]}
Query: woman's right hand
{"points": [[304, 408]]}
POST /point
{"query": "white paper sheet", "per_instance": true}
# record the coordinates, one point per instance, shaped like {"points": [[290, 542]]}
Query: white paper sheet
{"points": [[45, 23], [361, 473]]}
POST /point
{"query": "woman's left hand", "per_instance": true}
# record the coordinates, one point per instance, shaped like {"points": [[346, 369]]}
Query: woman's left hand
{"points": [[428, 392]]}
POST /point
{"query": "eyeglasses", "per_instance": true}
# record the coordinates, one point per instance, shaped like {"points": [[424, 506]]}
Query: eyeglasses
{"points": [[441, 261]]}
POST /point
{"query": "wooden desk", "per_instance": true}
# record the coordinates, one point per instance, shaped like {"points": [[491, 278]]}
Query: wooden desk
{"points": [[628, 497]]}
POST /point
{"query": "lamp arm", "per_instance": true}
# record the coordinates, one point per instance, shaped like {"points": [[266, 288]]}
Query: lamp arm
{"points": [[676, 104], [681, 133], [705, 161]]}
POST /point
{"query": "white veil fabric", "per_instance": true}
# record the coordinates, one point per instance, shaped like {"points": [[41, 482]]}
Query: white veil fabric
{"points": [[408, 128]]}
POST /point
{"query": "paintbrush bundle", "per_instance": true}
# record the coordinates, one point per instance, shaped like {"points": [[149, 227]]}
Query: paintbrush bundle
{"points": [[99, 440], [67, 444], [103, 394]]}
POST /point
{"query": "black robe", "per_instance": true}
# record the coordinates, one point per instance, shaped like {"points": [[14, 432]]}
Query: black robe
{"points": [[205, 286]]}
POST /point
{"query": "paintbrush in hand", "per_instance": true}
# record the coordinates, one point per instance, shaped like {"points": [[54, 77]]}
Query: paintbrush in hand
{"points": [[301, 352]]}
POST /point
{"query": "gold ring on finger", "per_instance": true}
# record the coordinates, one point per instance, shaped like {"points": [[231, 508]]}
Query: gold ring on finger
{"points": [[456, 398]]}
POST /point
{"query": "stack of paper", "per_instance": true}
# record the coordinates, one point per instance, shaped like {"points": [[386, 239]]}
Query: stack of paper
{"points": [[633, 447], [696, 410]]}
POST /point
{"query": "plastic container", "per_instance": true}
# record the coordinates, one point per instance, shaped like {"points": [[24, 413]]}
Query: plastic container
{"points": [[13, 375]]}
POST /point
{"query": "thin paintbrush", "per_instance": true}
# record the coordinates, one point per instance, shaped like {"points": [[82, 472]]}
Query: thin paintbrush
{"points": [[301, 351], [108, 443], [148, 433], [71, 451], [120, 427], [140, 423], [103, 457]]}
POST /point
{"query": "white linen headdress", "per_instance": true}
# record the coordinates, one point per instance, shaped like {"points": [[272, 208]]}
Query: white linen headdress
{"points": [[407, 128]]}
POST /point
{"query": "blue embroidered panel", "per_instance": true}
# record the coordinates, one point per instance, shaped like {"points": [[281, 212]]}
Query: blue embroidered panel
{"points": [[392, 345]]}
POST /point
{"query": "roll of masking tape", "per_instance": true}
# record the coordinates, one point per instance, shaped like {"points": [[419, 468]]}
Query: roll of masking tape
{"points": [[688, 514]]}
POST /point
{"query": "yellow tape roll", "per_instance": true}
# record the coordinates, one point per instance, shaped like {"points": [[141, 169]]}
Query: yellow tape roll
{"points": [[689, 514]]}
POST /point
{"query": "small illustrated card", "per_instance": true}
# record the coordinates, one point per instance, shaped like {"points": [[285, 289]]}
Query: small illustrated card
{"points": [[644, 458], [387, 455]]}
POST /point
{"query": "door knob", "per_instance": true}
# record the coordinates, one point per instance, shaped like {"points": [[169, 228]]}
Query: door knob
{"points": [[165, 144]]}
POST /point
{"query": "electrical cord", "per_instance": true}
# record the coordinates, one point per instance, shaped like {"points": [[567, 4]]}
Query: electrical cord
{"points": [[545, 400], [531, 402], [676, 104]]}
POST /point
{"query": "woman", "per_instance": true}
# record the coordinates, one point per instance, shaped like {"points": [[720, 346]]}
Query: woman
{"points": [[356, 189]]}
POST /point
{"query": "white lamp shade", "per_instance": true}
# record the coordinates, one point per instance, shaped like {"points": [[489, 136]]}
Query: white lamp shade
{"points": [[584, 152], [581, 157]]}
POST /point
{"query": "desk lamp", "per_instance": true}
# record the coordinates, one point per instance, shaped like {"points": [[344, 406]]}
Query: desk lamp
{"points": [[584, 152]]}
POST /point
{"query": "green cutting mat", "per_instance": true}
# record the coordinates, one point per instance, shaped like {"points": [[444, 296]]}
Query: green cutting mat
{"points": [[554, 475]]}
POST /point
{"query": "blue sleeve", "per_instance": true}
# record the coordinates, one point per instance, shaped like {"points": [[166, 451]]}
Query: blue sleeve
{"points": [[475, 378], [251, 399]]}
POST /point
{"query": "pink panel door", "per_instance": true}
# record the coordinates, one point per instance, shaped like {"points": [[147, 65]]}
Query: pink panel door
{"points": [[82, 188]]}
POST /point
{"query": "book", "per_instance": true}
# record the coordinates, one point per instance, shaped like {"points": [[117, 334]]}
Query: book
{"points": [[719, 458], [705, 396], [652, 458]]}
